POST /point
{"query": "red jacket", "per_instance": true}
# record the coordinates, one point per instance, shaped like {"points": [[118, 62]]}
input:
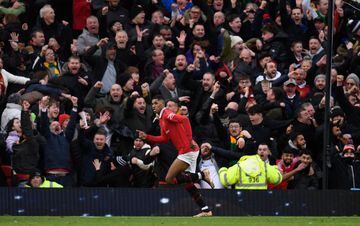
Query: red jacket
{"points": [[177, 129], [304, 91], [81, 11], [283, 169]]}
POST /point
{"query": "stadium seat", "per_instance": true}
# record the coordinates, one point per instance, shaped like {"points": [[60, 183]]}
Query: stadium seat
{"points": [[7, 170]]}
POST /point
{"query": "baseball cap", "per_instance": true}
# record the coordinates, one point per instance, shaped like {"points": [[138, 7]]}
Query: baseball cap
{"points": [[290, 82]]}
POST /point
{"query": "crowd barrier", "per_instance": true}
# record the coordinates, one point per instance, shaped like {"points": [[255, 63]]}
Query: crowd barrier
{"points": [[175, 202]]}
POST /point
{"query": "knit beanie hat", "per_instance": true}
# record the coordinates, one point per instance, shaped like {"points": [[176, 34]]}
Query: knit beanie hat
{"points": [[266, 19], [63, 118], [319, 76], [135, 11], [354, 77], [14, 98], [36, 173], [349, 147], [337, 111], [123, 79], [235, 40]]}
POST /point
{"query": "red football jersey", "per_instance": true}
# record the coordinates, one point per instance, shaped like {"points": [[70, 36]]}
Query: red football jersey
{"points": [[177, 129], [283, 169]]}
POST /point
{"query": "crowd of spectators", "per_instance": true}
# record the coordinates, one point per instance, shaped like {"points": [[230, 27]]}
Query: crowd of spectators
{"points": [[78, 79]]}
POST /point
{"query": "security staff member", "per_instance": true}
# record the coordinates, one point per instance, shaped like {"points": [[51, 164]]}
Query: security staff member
{"points": [[36, 180], [251, 172]]}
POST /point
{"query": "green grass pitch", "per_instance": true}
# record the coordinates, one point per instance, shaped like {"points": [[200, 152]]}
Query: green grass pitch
{"points": [[180, 221]]}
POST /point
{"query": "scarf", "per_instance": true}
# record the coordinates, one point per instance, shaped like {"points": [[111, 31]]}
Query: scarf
{"points": [[53, 67]]}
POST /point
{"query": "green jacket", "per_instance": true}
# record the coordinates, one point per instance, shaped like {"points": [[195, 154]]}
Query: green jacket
{"points": [[12, 11]]}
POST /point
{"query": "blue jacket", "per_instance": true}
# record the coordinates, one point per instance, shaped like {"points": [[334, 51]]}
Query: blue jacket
{"points": [[57, 148], [291, 105]]}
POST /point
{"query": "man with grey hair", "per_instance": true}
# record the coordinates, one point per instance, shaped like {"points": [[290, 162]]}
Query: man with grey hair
{"points": [[89, 36], [47, 13], [132, 54], [61, 32]]}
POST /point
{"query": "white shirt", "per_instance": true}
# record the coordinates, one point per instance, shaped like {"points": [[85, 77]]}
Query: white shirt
{"points": [[212, 167]]}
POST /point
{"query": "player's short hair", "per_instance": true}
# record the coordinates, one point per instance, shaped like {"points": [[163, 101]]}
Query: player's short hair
{"points": [[159, 98]]}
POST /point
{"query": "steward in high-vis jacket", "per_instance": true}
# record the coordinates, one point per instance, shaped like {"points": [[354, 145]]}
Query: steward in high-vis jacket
{"points": [[37, 180], [250, 173]]}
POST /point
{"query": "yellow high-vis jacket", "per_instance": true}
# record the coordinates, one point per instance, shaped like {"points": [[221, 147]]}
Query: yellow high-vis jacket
{"points": [[48, 184], [250, 173]]}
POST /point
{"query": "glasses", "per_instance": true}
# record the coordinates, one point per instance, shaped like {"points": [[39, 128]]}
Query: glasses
{"points": [[350, 83], [234, 126], [195, 12]]}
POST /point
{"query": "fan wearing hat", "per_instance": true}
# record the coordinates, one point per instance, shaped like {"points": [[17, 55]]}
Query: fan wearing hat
{"points": [[340, 128], [348, 151], [64, 120], [319, 82], [317, 92], [115, 12], [141, 165], [352, 84], [137, 15], [138, 23], [236, 43], [292, 98], [127, 83], [345, 168], [337, 116], [274, 44], [347, 97], [37, 180]]}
